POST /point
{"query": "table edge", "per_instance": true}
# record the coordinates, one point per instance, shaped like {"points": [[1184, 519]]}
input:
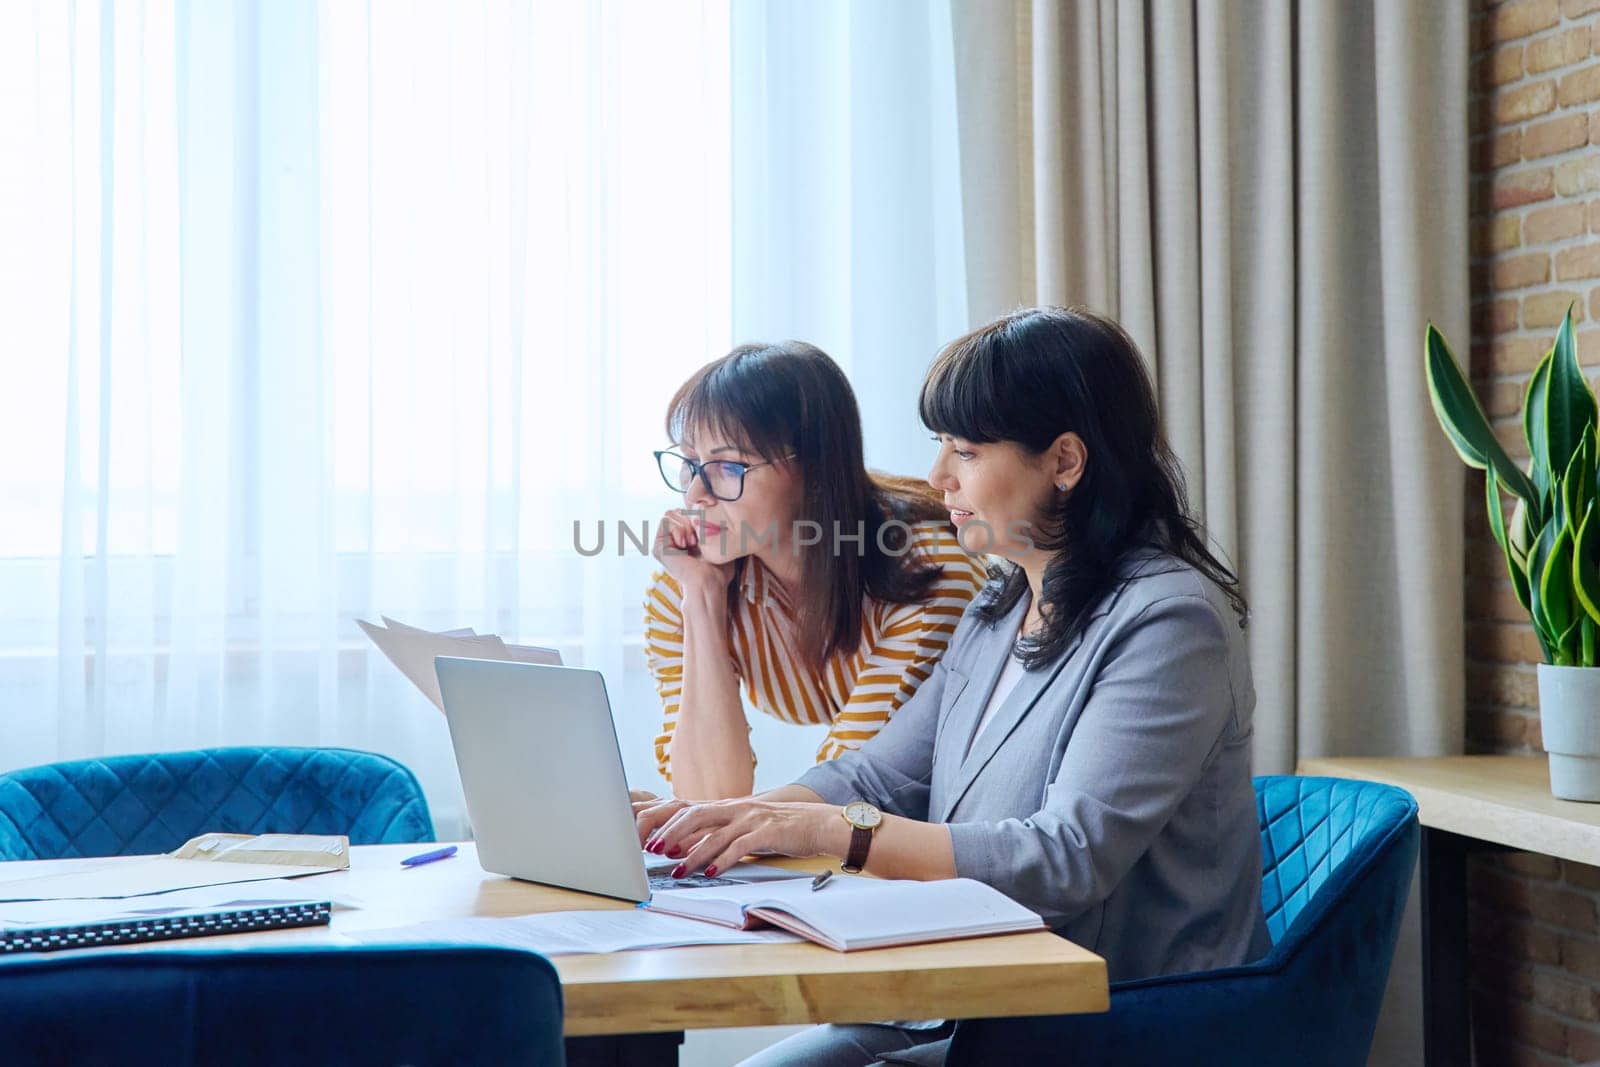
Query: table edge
{"points": [[1468, 815]]}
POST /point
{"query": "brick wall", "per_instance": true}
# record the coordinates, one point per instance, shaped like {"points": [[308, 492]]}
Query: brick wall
{"points": [[1535, 157]]}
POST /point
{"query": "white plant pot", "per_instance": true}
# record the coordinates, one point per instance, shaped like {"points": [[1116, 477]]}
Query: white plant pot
{"points": [[1569, 719]]}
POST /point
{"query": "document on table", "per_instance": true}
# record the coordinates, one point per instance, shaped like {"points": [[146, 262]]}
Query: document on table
{"points": [[155, 874], [558, 933], [25, 913]]}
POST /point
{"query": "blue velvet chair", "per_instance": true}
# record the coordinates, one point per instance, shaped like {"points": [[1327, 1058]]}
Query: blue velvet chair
{"points": [[420, 1005], [1337, 859], [140, 805]]}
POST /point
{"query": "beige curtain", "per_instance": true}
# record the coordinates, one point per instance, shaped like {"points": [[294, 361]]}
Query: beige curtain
{"points": [[1272, 197]]}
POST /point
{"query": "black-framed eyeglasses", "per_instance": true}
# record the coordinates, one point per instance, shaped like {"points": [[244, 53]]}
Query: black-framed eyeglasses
{"points": [[723, 478]]}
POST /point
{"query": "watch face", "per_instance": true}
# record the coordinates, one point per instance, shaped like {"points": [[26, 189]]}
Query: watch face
{"points": [[860, 813]]}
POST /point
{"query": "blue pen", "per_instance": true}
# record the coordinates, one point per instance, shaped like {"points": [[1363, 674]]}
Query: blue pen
{"points": [[428, 857]]}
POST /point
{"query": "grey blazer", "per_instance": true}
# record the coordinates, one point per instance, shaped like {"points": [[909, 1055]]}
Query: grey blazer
{"points": [[1111, 791]]}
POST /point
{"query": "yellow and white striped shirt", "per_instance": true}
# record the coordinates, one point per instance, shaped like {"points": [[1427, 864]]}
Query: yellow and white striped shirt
{"points": [[855, 693]]}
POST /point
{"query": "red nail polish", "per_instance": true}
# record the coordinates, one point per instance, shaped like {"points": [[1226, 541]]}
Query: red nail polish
{"points": [[711, 871], [672, 853], [678, 871], [655, 846]]}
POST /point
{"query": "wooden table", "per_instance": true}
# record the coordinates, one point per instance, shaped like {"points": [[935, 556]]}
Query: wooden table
{"points": [[667, 991], [1469, 804]]}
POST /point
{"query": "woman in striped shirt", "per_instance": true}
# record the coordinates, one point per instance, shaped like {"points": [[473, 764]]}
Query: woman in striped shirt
{"points": [[828, 592]]}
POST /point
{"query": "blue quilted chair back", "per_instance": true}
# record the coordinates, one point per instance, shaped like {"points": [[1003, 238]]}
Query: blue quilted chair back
{"points": [[140, 805], [1310, 829], [1337, 858], [422, 1005]]}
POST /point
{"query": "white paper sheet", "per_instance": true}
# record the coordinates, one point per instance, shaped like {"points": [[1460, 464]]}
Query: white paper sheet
{"points": [[208, 898], [396, 624], [157, 874], [412, 651], [560, 933]]}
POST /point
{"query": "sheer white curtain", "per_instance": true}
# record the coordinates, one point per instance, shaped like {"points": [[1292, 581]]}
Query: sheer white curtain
{"points": [[847, 217], [316, 311], [847, 196]]}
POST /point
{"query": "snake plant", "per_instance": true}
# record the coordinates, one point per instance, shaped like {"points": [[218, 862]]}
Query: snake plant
{"points": [[1552, 540]]}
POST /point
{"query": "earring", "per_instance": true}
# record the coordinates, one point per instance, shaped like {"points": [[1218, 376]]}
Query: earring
{"points": [[1061, 489]]}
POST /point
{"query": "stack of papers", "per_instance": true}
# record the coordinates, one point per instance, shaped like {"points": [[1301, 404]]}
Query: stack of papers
{"points": [[412, 650], [331, 851]]}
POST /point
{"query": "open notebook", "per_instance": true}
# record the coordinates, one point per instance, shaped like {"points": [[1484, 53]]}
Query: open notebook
{"points": [[855, 913]]}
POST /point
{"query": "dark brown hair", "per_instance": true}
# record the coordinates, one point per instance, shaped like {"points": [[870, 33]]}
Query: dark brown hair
{"points": [[1030, 377], [775, 399]]}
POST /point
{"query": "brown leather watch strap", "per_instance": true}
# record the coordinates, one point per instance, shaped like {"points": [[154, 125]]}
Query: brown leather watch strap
{"points": [[856, 858]]}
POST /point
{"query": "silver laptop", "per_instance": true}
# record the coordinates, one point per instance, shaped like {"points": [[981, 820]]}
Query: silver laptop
{"points": [[543, 778]]}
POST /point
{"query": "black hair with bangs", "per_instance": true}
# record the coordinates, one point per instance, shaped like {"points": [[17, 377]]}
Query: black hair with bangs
{"points": [[1031, 376]]}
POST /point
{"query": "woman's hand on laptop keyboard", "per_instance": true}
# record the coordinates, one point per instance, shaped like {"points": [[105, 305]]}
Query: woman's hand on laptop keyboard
{"points": [[650, 814], [715, 835]]}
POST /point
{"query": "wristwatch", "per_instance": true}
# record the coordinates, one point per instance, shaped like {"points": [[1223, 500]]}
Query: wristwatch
{"points": [[864, 820]]}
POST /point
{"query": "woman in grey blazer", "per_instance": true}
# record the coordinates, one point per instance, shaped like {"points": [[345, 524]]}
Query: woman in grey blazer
{"points": [[1084, 744]]}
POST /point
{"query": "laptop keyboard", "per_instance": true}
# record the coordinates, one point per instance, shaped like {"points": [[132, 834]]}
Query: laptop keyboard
{"points": [[656, 868], [660, 882]]}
